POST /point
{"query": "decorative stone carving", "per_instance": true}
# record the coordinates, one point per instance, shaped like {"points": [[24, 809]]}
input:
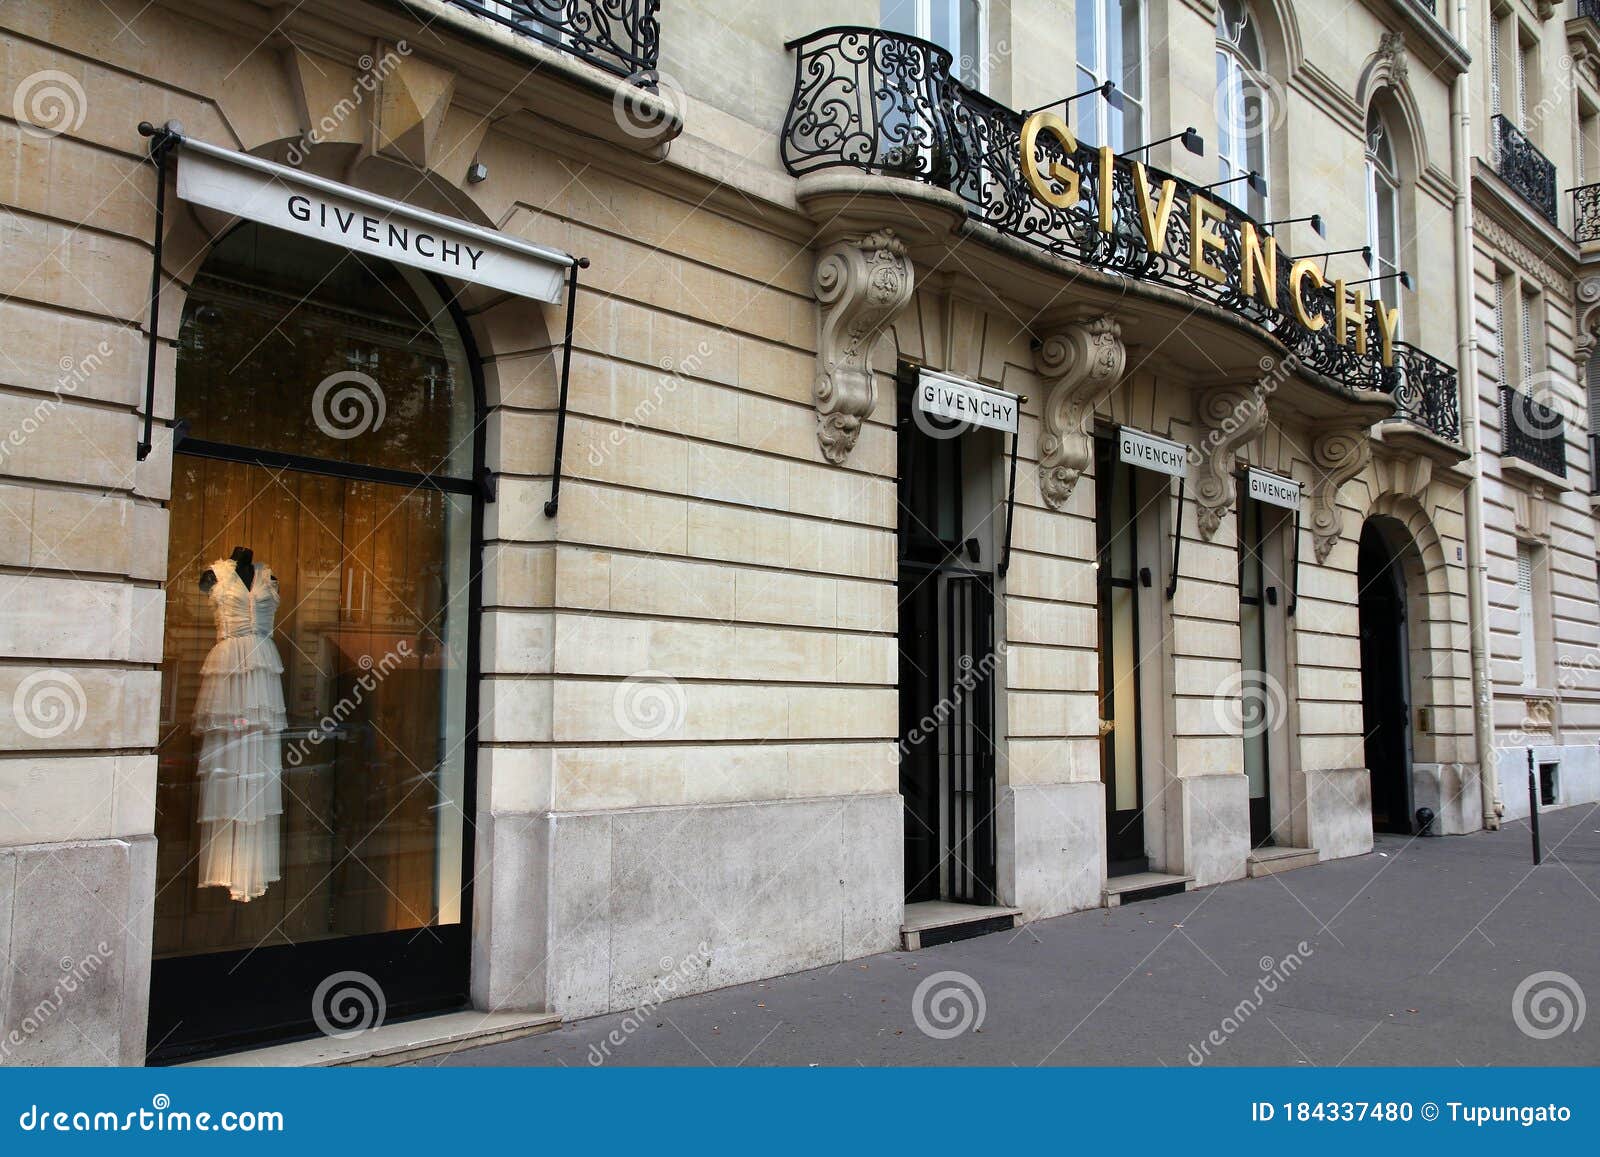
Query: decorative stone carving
{"points": [[1231, 416], [1531, 514], [1392, 53], [861, 284], [1588, 294], [1338, 454], [1081, 362]]}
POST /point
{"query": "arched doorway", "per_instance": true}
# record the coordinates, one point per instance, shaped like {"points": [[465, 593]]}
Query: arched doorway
{"points": [[314, 795], [1385, 675]]}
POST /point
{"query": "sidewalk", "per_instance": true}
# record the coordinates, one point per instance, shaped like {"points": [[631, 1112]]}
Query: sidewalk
{"points": [[1412, 955]]}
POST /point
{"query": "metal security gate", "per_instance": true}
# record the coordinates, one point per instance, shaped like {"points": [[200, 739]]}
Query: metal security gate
{"points": [[967, 741], [947, 763]]}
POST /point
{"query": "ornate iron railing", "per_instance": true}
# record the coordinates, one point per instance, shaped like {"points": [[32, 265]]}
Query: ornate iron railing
{"points": [[884, 103], [620, 36], [1589, 8], [1586, 210], [1533, 432], [1522, 166]]}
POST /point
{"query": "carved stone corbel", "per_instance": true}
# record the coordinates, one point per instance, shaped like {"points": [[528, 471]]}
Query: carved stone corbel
{"points": [[1338, 454], [861, 284], [1230, 415], [1081, 363]]}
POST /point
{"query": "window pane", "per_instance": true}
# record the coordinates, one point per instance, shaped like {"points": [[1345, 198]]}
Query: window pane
{"points": [[1088, 36], [312, 759], [1131, 57], [305, 348], [898, 16]]}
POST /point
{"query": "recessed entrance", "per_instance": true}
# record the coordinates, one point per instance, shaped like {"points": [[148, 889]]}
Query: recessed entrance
{"points": [[314, 802], [1385, 677], [947, 659]]}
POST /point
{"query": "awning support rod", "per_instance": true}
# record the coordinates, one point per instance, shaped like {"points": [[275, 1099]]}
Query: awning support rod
{"points": [[551, 506], [1177, 542], [1011, 497], [161, 142]]}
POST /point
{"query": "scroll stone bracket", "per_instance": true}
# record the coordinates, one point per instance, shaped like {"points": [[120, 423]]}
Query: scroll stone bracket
{"points": [[1081, 363], [1338, 454], [1231, 416], [861, 284]]}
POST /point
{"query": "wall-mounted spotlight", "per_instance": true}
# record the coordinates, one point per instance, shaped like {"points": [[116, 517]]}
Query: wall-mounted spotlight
{"points": [[1108, 91], [1191, 138], [1258, 183], [1402, 276], [1364, 250], [1315, 221]]}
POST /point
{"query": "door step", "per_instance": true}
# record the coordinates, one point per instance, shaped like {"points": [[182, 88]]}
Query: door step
{"points": [[1142, 886], [1267, 861], [394, 1043], [931, 922]]}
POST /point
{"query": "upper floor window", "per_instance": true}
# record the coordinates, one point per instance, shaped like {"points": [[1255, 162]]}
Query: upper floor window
{"points": [[1242, 106], [954, 25], [1383, 207], [1110, 37]]}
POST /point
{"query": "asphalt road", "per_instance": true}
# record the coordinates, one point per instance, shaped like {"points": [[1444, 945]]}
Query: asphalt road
{"points": [[1410, 955]]}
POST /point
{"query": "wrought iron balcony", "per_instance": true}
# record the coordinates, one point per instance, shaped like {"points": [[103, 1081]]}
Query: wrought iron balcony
{"points": [[1586, 209], [1524, 167], [620, 36], [1532, 432], [1589, 8], [879, 102]]}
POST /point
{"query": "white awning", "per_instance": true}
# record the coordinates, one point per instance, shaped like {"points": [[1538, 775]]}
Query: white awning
{"points": [[245, 186]]}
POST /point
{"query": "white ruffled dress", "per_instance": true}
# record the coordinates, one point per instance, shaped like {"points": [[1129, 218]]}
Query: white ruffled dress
{"points": [[240, 718]]}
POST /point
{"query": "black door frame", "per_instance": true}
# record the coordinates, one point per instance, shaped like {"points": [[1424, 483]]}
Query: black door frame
{"points": [[419, 970], [946, 605], [1126, 849]]}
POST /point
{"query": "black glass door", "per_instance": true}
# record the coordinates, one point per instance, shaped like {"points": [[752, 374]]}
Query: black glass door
{"points": [[1385, 690]]}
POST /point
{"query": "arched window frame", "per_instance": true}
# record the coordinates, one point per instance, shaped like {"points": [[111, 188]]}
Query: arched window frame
{"points": [[1242, 146], [1383, 207]]}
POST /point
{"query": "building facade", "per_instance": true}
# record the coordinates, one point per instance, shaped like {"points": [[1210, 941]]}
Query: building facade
{"points": [[513, 505], [1533, 234]]}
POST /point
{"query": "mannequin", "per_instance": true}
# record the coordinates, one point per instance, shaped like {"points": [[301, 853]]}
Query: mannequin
{"points": [[242, 556], [239, 718]]}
